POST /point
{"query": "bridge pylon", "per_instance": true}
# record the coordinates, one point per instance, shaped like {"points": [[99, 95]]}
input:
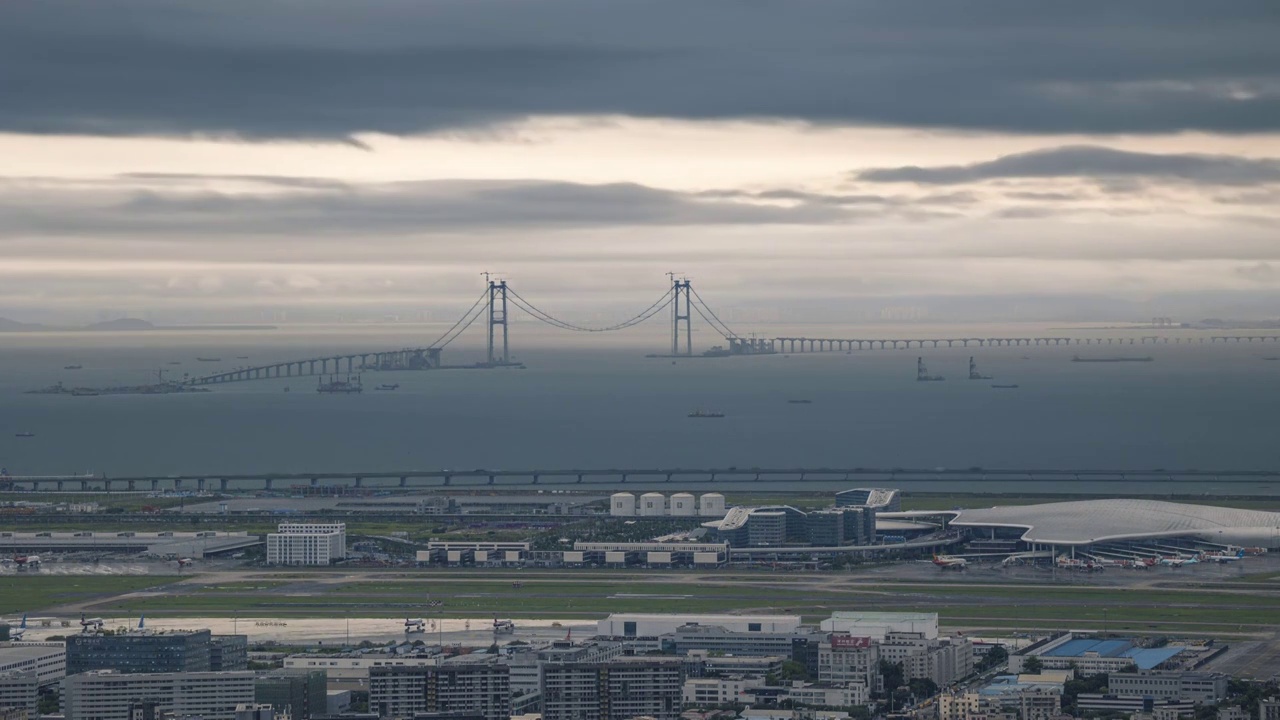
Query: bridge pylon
{"points": [[498, 317], [682, 289]]}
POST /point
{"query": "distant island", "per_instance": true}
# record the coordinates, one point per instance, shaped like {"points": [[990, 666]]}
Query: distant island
{"points": [[120, 325]]}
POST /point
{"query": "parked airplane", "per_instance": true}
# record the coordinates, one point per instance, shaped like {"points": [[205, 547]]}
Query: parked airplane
{"points": [[1223, 556], [1178, 561], [414, 626], [185, 562], [90, 624], [18, 632], [26, 561], [950, 563]]}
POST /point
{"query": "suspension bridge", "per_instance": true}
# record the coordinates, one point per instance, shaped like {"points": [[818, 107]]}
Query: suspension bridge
{"points": [[493, 307]]}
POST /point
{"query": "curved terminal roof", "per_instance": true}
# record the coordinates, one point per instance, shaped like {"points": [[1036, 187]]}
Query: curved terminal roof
{"points": [[1084, 522]]}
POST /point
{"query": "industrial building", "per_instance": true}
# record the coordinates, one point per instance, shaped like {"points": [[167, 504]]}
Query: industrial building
{"points": [[108, 695], [655, 504], [1195, 687], [877, 625], [660, 554], [632, 625], [474, 553], [307, 544], [160, 544], [1090, 656], [478, 685]]}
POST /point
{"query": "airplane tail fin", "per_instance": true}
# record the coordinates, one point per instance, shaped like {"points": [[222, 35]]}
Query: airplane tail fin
{"points": [[142, 622], [23, 626]]}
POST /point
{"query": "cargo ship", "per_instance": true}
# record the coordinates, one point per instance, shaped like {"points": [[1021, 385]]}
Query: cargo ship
{"points": [[339, 386], [72, 367], [209, 359], [1119, 358], [705, 414]]}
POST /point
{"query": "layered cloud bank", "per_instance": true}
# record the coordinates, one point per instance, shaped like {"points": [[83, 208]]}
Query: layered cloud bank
{"points": [[207, 157]]}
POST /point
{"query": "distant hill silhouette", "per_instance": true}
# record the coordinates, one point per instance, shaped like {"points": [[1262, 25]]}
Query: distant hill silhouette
{"points": [[7, 325]]}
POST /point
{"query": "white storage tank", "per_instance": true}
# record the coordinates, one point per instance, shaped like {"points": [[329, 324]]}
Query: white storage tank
{"points": [[711, 505], [684, 505], [653, 504], [622, 504]]}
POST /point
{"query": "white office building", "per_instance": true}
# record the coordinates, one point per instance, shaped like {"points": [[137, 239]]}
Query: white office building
{"points": [[307, 544], [46, 660], [19, 690], [107, 695]]}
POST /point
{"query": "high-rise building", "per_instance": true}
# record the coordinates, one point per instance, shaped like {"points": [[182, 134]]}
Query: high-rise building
{"points": [[471, 684], [298, 693], [307, 544], [108, 695], [140, 652], [228, 652], [617, 689]]}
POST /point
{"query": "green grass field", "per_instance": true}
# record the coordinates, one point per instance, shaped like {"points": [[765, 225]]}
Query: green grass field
{"points": [[33, 593]]}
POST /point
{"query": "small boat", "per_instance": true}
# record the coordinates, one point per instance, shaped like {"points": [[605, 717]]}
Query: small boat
{"points": [[1004, 387], [84, 392], [72, 367], [209, 359], [800, 402], [174, 362], [242, 357], [390, 386], [705, 414], [286, 388], [24, 434]]}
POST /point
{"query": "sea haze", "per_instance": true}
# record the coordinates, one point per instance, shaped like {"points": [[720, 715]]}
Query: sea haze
{"points": [[598, 404]]}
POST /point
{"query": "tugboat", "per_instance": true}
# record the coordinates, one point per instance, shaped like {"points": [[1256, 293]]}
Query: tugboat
{"points": [[350, 385], [72, 367], [209, 359], [800, 402], [705, 414]]}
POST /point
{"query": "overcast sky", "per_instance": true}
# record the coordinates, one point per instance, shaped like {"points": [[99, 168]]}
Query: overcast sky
{"points": [[1093, 160]]}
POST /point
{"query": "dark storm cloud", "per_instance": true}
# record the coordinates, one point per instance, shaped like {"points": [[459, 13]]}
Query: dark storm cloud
{"points": [[330, 68], [1119, 169]]}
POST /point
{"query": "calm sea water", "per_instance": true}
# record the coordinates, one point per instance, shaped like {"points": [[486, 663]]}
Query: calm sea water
{"points": [[602, 404]]}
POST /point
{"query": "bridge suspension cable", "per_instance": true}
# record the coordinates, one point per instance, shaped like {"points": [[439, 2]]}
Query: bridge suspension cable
{"points": [[450, 333], [543, 316], [717, 324]]}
